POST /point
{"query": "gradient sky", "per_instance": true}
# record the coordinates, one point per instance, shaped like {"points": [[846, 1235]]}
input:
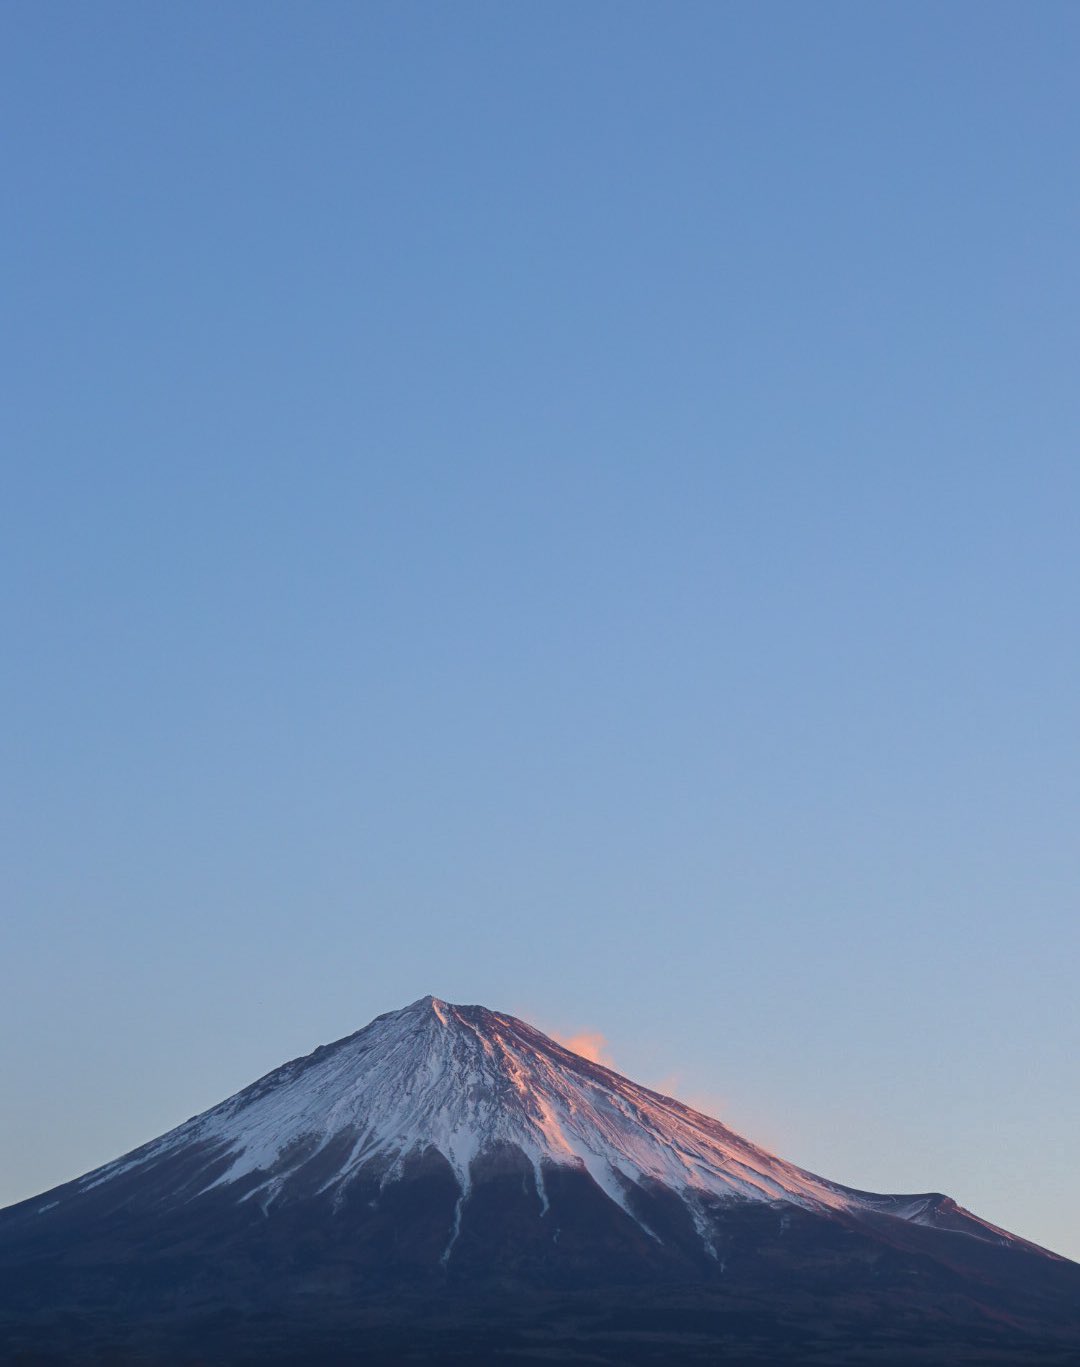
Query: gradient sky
{"points": [[568, 507]]}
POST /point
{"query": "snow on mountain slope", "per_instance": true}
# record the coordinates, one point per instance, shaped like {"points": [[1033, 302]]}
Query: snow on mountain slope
{"points": [[464, 1080]]}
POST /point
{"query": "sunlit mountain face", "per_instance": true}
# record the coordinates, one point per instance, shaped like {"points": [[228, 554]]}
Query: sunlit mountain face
{"points": [[450, 1185]]}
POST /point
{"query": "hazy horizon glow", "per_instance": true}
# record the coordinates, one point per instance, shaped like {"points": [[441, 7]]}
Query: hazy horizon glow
{"points": [[572, 509]]}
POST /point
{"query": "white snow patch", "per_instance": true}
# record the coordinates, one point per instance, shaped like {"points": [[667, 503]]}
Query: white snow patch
{"points": [[541, 1190], [455, 1231]]}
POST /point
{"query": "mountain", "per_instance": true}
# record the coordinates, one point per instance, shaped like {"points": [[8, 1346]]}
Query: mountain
{"points": [[450, 1185]]}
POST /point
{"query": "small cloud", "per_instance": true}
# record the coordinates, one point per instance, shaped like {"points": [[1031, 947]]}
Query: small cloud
{"points": [[708, 1103], [590, 1044], [671, 1085], [756, 1128]]}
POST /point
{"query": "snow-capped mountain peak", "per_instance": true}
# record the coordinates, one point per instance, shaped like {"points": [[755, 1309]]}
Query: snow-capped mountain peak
{"points": [[450, 1175], [466, 1082]]}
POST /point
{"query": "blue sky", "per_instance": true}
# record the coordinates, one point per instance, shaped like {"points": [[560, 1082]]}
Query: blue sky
{"points": [[567, 507]]}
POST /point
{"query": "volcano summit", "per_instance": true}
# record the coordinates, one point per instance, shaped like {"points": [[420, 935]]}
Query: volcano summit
{"points": [[450, 1185]]}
